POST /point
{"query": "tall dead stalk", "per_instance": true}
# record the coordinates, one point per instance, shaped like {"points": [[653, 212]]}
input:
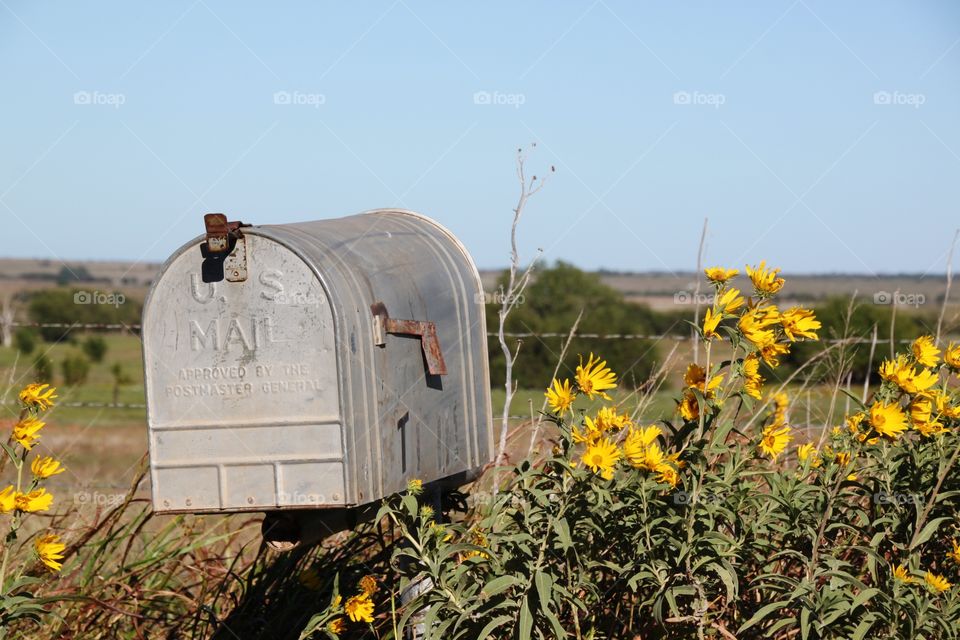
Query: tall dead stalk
{"points": [[509, 297]]}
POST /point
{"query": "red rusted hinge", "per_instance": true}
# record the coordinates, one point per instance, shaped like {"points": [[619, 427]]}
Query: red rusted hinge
{"points": [[427, 331]]}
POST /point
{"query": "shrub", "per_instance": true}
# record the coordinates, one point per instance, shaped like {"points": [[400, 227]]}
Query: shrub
{"points": [[43, 368], [716, 521], [70, 307], [25, 340], [95, 347], [75, 369]]}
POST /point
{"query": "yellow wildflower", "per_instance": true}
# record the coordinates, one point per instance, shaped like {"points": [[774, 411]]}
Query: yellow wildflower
{"points": [[368, 584], [44, 467], [560, 396], [710, 322], [842, 458], [925, 352], [25, 432], [601, 456], [609, 420], [8, 499], [695, 377], [36, 500], [907, 377], [667, 475], [50, 550], [920, 409], [595, 377], [928, 429], [945, 406], [38, 396], [754, 325], [730, 301], [689, 408], [809, 452], [936, 582], [900, 573], [774, 440], [955, 554], [752, 380], [415, 486], [799, 323], [636, 443], [952, 356], [765, 281], [359, 608], [888, 420], [590, 433], [771, 353], [336, 626], [719, 275]]}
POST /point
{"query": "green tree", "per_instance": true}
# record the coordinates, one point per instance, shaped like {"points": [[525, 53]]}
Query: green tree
{"points": [[25, 340], [95, 347], [43, 369], [551, 304], [75, 369], [72, 307]]}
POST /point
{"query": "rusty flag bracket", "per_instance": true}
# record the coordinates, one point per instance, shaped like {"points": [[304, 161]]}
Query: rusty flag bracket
{"points": [[225, 250], [427, 332]]}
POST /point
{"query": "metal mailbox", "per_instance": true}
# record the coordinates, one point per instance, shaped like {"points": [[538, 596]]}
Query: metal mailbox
{"points": [[315, 364]]}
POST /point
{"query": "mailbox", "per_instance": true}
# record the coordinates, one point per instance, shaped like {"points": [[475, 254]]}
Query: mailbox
{"points": [[314, 365]]}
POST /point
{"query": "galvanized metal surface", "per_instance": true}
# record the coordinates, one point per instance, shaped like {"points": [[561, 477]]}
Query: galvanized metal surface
{"points": [[273, 392]]}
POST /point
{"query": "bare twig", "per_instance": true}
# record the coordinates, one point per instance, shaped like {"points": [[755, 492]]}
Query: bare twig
{"points": [[946, 294], [696, 295], [511, 295], [866, 375]]}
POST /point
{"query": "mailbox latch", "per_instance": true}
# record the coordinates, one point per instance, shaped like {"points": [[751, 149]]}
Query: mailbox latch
{"points": [[427, 331], [225, 251]]}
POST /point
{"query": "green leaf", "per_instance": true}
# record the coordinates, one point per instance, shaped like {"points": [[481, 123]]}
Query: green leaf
{"points": [[928, 530], [526, 621]]}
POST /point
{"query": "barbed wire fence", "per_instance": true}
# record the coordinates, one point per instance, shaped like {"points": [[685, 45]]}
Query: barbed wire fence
{"points": [[134, 329]]}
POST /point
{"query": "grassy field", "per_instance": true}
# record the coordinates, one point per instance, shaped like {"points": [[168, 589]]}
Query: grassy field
{"points": [[102, 446]]}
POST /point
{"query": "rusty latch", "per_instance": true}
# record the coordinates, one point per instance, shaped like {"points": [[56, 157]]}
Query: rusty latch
{"points": [[225, 251], [427, 331]]}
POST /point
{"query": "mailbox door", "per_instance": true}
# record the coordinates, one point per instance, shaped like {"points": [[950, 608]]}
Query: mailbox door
{"points": [[241, 384]]}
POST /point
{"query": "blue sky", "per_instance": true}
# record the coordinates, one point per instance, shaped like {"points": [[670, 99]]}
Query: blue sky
{"points": [[822, 136]]}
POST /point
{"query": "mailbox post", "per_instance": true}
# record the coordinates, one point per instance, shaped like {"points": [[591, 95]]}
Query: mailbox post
{"points": [[314, 366]]}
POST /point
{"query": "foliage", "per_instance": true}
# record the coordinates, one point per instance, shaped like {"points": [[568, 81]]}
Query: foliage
{"points": [[75, 369], [19, 501], [42, 368], [95, 347], [70, 307], [709, 523], [25, 340], [551, 304]]}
